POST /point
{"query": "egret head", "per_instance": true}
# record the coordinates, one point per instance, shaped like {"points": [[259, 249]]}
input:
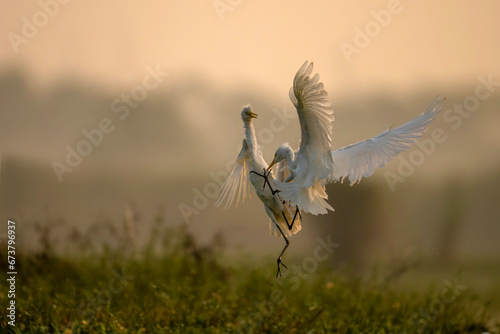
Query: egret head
{"points": [[247, 114], [283, 152]]}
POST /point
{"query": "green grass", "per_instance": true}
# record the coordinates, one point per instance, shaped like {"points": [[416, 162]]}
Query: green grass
{"points": [[179, 287]]}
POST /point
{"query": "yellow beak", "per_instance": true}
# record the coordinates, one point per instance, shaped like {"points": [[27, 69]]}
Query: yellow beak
{"points": [[272, 163], [253, 115]]}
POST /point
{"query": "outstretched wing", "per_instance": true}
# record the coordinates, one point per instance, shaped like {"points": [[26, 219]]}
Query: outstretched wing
{"points": [[237, 184], [316, 117], [360, 160]]}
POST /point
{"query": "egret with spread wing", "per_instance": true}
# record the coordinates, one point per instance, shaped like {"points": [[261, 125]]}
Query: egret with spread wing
{"points": [[312, 164], [315, 163], [250, 167]]}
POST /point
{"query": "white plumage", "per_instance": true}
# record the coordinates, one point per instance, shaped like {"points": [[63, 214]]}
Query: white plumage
{"points": [[312, 163], [285, 220], [315, 163], [240, 184], [303, 174], [237, 183], [360, 160]]}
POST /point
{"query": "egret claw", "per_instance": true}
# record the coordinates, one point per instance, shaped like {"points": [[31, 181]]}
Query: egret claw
{"points": [[279, 269]]}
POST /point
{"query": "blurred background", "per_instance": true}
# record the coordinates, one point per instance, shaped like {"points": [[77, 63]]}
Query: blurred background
{"points": [[158, 88]]}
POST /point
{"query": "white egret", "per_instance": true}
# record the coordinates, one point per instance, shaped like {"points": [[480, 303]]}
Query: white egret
{"points": [[312, 163], [315, 163], [250, 167]]}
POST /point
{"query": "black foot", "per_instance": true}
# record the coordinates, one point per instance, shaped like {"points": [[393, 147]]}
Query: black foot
{"points": [[266, 180], [265, 175], [279, 268]]}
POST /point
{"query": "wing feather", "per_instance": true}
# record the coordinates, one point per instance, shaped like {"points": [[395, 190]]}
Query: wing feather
{"points": [[237, 184], [313, 163], [316, 117], [361, 159]]}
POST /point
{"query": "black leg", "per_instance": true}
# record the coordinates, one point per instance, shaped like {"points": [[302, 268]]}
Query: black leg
{"points": [[265, 176], [297, 211], [266, 180], [282, 252], [290, 226]]}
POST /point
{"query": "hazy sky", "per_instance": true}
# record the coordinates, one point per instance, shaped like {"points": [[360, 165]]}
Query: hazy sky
{"points": [[357, 47], [264, 42]]}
